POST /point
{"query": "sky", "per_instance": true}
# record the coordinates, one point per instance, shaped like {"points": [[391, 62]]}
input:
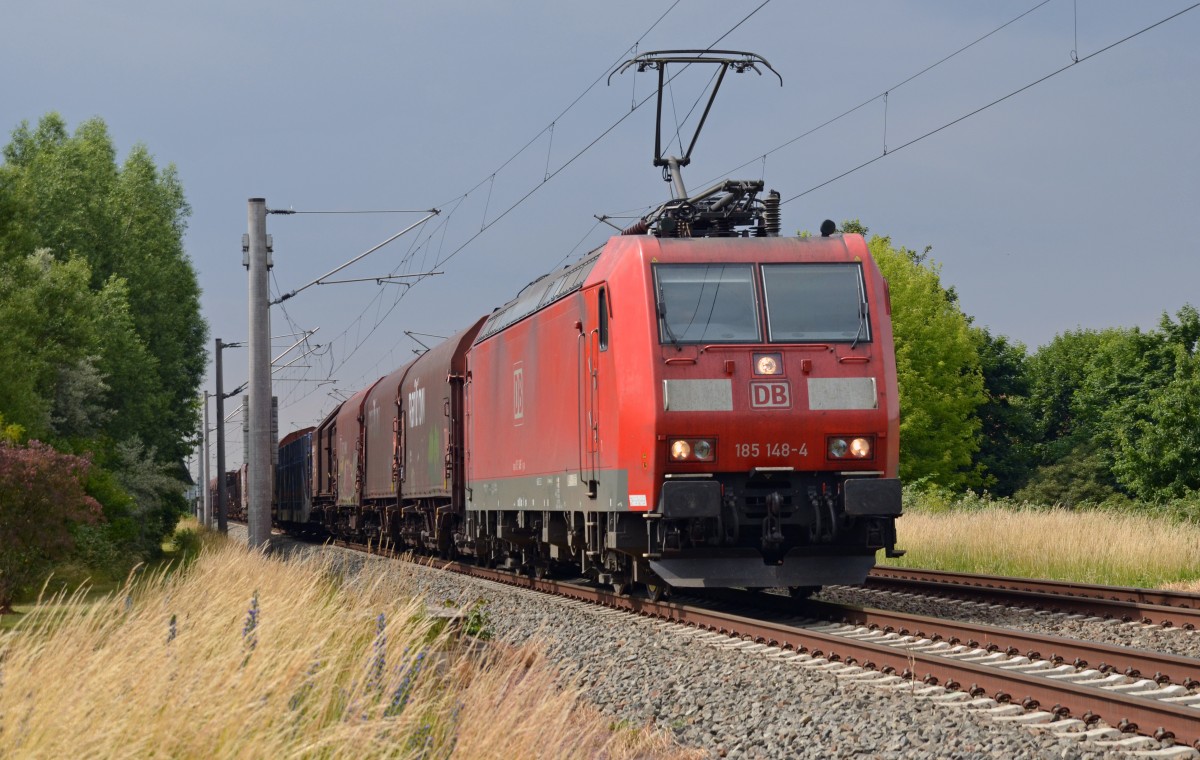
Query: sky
{"points": [[1065, 206]]}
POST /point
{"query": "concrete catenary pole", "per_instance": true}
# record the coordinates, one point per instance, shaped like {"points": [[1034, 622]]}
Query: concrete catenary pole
{"points": [[258, 459], [220, 430], [205, 496]]}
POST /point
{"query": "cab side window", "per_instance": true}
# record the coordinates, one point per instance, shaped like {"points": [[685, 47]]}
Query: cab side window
{"points": [[602, 305]]}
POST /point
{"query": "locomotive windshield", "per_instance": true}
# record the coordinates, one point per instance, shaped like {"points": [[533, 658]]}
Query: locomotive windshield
{"points": [[706, 303], [815, 302]]}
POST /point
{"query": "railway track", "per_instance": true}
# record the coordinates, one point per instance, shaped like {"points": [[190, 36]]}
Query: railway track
{"points": [[1164, 608], [1076, 685], [1129, 698]]}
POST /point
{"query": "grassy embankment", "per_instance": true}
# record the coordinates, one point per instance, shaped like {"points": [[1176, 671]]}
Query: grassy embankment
{"points": [[241, 655], [998, 537]]}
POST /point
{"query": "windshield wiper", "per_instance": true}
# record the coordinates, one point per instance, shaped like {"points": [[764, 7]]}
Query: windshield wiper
{"points": [[862, 323], [662, 314]]}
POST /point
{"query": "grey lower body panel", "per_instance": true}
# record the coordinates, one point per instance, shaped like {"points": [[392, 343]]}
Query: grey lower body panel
{"points": [[555, 492], [748, 570]]}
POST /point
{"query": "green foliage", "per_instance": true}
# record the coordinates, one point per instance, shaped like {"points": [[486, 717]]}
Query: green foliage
{"points": [[10, 433], [48, 317], [478, 623], [66, 194], [42, 498], [938, 369], [150, 486], [111, 548], [1081, 477], [1151, 422], [1156, 439], [1056, 373], [938, 500], [100, 550], [1007, 425], [188, 543], [1117, 413]]}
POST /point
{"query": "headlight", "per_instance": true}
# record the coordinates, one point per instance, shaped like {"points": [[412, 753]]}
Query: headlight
{"points": [[767, 364], [692, 450], [849, 448], [681, 450]]}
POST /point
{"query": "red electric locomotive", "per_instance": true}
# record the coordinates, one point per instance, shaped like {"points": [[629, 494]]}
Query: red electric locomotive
{"points": [[692, 412]]}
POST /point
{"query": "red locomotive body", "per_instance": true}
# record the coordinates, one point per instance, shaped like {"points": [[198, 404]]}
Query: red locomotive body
{"points": [[682, 406]]}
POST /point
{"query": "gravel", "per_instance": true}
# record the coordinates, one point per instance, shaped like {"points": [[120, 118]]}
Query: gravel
{"points": [[730, 703]]}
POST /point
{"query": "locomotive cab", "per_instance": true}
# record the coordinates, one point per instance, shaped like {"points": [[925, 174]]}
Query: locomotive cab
{"points": [[775, 412]]}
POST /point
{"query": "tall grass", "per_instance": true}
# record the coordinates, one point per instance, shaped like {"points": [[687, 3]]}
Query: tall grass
{"points": [[1092, 546], [242, 655]]}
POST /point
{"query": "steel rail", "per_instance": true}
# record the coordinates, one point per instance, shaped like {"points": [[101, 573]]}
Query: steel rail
{"points": [[1165, 598], [1160, 667], [1135, 663], [1150, 606]]}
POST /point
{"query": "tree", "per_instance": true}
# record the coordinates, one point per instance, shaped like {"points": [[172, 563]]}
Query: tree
{"points": [[1123, 401], [1005, 449], [71, 355], [1056, 373], [41, 499], [149, 483], [48, 317], [1156, 453], [938, 369], [1153, 429], [1081, 476], [65, 193]]}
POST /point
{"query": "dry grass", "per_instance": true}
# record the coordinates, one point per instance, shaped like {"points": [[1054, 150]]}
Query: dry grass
{"points": [[240, 655], [1086, 547]]}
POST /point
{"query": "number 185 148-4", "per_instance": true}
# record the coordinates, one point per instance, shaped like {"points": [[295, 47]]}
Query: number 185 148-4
{"points": [[750, 450]]}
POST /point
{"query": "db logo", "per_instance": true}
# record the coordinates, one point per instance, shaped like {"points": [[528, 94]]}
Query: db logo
{"points": [[768, 395]]}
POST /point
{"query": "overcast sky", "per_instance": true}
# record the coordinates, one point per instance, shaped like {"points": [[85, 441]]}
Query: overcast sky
{"points": [[1066, 206]]}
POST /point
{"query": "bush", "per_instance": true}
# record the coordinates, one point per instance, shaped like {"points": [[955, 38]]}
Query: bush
{"points": [[100, 551], [188, 543], [1080, 478], [936, 499], [42, 498]]}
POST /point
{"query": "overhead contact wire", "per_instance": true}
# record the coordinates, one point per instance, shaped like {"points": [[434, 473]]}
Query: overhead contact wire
{"points": [[965, 116], [883, 94]]}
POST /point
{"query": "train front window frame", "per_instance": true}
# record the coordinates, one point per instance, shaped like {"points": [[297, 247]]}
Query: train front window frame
{"points": [[816, 303], [706, 303]]}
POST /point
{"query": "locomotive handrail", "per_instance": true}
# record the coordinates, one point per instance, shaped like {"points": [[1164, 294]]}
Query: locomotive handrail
{"points": [[851, 359], [581, 388], [759, 346], [680, 360]]}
